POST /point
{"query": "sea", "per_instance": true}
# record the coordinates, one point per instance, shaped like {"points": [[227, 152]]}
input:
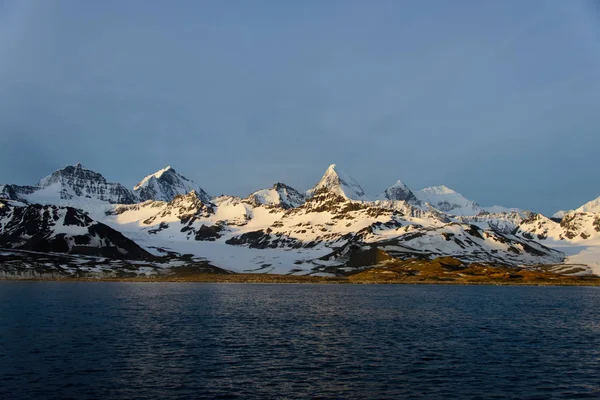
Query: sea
{"points": [[106, 340]]}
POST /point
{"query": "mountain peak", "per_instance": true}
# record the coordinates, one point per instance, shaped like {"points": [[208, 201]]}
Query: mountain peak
{"points": [[399, 191], [279, 195], [157, 175], [340, 183], [166, 184], [591, 206], [72, 172], [75, 181]]}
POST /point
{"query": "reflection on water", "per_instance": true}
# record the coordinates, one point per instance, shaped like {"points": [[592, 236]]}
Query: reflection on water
{"points": [[165, 340]]}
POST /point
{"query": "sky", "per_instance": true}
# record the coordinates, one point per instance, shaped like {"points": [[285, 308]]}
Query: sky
{"points": [[497, 100]]}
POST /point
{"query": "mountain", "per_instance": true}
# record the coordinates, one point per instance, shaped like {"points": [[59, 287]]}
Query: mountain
{"points": [[334, 229], [165, 185], [573, 227], [72, 185], [16, 192], [339, 183], [257, 232], [467, 243], [399, 191], [591, 206], [280, 195], [504, 222], [47, 228], [448, 201], [78, 181]]}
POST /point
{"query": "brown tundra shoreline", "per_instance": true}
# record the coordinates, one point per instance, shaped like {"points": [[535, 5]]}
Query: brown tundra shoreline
{"points": [[439, 271]]}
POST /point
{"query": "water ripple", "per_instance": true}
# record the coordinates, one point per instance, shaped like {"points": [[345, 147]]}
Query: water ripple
{"points": [[142, 340]]}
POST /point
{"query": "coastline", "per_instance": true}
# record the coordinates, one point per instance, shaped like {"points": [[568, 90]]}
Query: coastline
{"points": [[303, 279]]}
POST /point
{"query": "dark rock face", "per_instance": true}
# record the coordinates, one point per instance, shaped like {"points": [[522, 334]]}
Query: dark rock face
{"points": [[572, 223], [208, 233], [62, 230], [79, 181]]}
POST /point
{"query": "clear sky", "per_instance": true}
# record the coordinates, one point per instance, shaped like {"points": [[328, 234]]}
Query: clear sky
{"points": [[498, 100]]}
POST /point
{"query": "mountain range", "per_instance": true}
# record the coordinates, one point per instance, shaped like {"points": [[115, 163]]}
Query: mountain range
{"points": [[332, 228]]}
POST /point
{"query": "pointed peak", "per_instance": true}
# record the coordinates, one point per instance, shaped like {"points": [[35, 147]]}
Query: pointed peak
{"points": [[155, 175], [165, 184], [398, 191], [399, 183], [338, 182], [79, 165], [333, 170]]}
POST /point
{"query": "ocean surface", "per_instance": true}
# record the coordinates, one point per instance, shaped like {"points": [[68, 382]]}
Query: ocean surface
{"points": [[229, 341]]}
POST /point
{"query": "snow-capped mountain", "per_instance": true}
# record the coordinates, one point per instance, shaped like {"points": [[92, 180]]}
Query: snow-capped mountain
{"points": [[339, 183], [165, 185], [466, 242], [577, 234], [73, 185], [399, 191], [590, 207], [504, 222], [312, 230], [46, 228], [574, 227], [280, 195], [16, 192], [78, 181], [448, 201], [279, 229]]}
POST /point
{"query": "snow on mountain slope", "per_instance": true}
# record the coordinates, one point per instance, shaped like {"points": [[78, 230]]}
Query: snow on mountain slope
{"points": [[15, 192], [73, 186], [577, 235], [280, 195], [468, 243], [504, 222], [323, 223], [501, 209], [448, 201], [398, 191], [165, 185], [590, 207], [559, 214], [77, 181], [280, 230], [574, 227], [339, 183], [62, 230]]}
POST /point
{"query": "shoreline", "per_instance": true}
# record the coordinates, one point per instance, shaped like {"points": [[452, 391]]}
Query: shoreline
{"points": [[304, 279]]}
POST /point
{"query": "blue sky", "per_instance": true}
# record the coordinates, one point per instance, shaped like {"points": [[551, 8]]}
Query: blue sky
{"points": [[498, 100]]}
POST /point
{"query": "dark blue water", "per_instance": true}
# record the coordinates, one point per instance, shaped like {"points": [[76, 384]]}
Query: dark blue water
{"points": [[168, 340]]}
